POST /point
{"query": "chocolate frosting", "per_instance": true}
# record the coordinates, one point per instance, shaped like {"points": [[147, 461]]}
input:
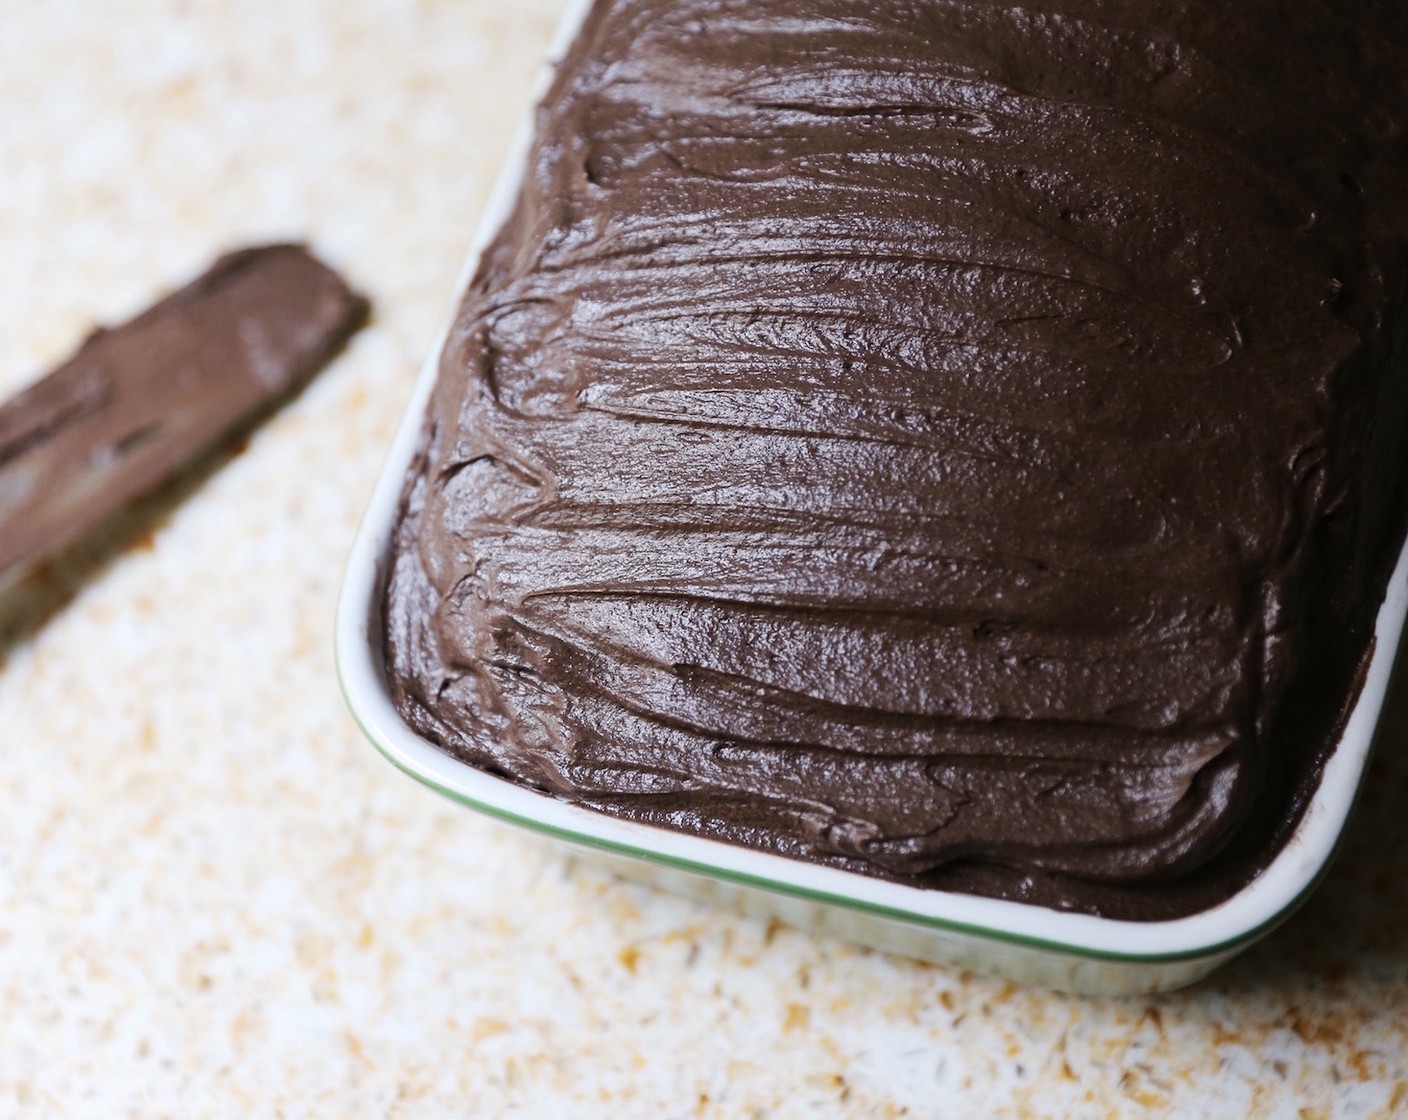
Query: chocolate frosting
{"points": [[138, 402], [958, 442]]}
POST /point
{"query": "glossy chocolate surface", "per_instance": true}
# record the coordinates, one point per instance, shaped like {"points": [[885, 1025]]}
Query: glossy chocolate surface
{"points": [[957, 442]]}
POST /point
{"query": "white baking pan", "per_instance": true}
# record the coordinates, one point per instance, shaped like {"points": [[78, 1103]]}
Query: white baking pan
{"points": [[1075, 952]]}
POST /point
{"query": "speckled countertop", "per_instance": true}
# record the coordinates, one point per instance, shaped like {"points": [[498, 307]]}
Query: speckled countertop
{"points": [[217, 900]]}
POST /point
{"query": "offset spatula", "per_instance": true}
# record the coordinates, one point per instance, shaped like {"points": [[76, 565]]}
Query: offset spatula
{"points": [[138, 402]]}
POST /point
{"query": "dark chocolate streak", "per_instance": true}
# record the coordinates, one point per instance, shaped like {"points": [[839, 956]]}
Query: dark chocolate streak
{"points": [[959, 442], [138, 402]]}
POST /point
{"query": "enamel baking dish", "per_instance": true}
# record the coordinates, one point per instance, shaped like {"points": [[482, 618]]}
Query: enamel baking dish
{"points": [[1031, 944]]}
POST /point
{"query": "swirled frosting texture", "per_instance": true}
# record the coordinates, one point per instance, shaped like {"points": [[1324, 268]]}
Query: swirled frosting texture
{"points": [[960, 442]]}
